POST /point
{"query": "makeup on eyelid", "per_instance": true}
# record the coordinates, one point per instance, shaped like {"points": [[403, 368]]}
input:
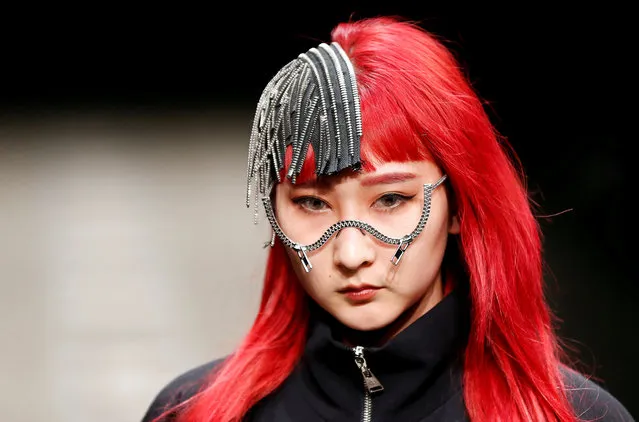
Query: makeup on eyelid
{"points": [[313, 204]]}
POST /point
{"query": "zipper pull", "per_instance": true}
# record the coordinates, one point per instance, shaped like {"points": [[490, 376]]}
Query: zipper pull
{"points": [[301, 253], [403, 245], [372, 383]]}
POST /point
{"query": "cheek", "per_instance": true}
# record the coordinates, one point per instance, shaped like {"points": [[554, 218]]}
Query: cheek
{"points": [[421, 264], [315, 282]]}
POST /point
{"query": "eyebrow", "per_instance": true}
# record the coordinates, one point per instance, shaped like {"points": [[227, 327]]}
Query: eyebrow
{"points": [[387, 178], [376, 179]]}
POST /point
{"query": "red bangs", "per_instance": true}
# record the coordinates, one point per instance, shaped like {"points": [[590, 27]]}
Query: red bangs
{"points": [[388, 132], [387, 136]]}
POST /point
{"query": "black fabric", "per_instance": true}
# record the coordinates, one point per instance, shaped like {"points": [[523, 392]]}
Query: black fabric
{"points": [[420, 369]]}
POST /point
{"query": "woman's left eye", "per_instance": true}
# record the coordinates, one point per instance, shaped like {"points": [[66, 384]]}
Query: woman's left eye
{"points": [[391, 200]]}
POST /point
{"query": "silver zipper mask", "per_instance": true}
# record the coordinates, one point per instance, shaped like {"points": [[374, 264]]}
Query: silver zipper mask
{"points": [[402, 242]]}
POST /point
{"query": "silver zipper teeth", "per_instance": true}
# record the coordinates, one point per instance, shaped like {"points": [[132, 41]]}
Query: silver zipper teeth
{"points": [[371, 383], [367, 410]]}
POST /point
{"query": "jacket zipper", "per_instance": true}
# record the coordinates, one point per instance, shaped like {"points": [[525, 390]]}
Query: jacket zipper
{"points": [[371, 383]]}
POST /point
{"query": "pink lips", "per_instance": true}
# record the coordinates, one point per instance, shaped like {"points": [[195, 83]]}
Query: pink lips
{"points": [[360, 293]]}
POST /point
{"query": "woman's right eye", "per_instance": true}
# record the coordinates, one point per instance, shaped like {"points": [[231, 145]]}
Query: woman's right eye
{"points": [[310, 203]]}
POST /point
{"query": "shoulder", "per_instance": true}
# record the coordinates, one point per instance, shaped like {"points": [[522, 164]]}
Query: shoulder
{"points": [[591, 401], [179, 389]]}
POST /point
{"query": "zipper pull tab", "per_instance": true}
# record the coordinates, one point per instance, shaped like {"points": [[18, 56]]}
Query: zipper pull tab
{"points": [[372, 383], [403, 245], [301, 253]]}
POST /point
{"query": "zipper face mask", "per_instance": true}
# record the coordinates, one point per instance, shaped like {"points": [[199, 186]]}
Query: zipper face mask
{"points": [[403, 242]]}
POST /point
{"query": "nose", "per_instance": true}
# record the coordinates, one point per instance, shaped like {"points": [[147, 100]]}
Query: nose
{"points": [[353, 248]]}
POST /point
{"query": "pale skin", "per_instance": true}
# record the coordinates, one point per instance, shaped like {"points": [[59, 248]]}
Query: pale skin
{"points": [[404, 292]]}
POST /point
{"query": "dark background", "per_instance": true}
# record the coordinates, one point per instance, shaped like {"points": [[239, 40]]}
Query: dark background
{"points": [[558, 81]]}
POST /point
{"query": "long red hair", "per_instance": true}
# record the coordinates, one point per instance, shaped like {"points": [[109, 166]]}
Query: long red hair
{"points": [[417, 104]]}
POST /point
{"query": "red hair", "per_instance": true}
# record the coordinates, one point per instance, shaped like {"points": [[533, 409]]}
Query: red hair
{"points": [[512, 358]]}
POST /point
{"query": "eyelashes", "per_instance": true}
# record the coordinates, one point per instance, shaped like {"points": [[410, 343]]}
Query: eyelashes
{"points": [[390, 201], [310, 203], [387, 202]]}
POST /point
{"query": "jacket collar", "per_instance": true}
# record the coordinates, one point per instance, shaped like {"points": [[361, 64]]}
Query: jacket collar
{"points": [[420, 368]]}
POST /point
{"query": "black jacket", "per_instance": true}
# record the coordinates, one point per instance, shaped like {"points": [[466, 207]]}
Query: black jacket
{"points": [[419, 369]]}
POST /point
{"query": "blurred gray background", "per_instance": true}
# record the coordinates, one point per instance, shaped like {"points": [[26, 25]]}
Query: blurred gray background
{"points": [[127, 255]]}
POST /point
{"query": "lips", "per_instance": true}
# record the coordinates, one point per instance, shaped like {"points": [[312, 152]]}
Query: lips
{"points": [[354, 288], [359, 294]]}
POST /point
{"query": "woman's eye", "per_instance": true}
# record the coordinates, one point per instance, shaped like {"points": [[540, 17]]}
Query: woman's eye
{"points": [[391, 200], [310, 203]]}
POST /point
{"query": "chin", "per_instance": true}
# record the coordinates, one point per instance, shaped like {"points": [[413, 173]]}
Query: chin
{"points": [[363, 319]]}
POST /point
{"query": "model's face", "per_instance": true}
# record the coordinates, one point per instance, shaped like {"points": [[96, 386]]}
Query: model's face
{"points": [[353, 277]]}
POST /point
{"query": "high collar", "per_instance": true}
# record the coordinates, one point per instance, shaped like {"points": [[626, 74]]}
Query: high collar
{"points": [[419, 368]]}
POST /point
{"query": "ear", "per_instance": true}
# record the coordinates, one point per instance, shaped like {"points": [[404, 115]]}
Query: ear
{"points": [[453, 224]]}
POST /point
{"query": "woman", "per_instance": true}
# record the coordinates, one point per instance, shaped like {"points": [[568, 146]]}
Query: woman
{"points": [[404, 280]]}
